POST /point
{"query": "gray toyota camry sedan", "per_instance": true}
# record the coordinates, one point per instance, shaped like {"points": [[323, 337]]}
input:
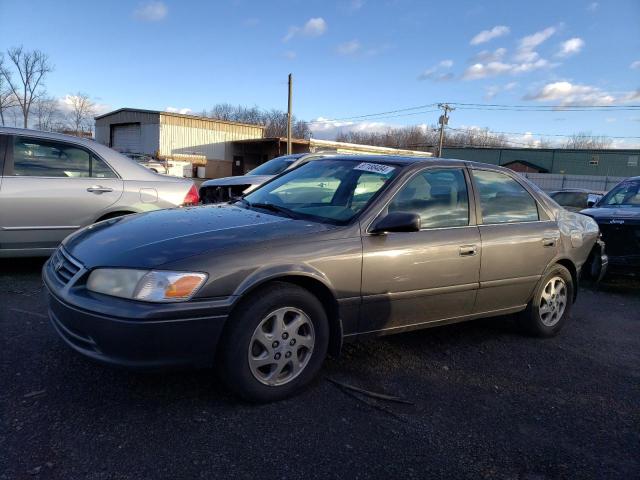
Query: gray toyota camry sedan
{"points": [[336, 249]]}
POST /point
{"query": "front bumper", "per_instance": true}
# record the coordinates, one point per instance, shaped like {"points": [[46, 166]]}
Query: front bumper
{"points": [[134, 334]]}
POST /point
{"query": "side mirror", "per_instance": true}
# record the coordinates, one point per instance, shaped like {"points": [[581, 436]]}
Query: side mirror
{"points": [[590, 203], [397, 222]]}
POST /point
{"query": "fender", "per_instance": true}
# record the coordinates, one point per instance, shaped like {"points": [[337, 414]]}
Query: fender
{"points": [[263, 275]]}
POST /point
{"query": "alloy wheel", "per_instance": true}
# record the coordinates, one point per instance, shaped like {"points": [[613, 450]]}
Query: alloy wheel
{"points": [[281, 346], [553, 301]]}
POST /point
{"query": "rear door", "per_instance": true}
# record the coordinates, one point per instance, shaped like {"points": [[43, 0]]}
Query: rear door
{"points": [[51, 188], [518, 241]]}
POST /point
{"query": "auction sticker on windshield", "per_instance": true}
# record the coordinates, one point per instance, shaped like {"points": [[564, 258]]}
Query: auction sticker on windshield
{"points": [[375, 168]]}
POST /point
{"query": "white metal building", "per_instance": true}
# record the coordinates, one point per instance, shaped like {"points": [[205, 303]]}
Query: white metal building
{"points": [[176, 136]]}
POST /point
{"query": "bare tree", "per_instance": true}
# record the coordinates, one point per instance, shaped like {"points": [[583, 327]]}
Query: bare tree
{"points": [[274, 121], [32, 67], [47, 113], [7, 98], [587, 141], [82, 112]]}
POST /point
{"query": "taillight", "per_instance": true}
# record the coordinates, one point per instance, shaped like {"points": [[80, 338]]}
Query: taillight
{"points": [[192, 197]]}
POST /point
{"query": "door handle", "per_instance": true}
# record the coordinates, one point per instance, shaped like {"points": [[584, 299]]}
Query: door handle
{"points": [[98, 189], [468, 250]]}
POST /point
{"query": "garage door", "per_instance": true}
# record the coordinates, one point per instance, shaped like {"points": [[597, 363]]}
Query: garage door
{"points": [[126, 138]]}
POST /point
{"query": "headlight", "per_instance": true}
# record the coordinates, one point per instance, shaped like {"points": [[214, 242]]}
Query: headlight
{"points": [[145, 285]]}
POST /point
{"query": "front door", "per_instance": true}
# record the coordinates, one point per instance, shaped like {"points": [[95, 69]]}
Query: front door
{"points": [[49, 189], [518, 241], [412, 278]]}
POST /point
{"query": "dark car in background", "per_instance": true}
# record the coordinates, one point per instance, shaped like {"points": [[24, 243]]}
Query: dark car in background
{"points": [[334, 250], [576, 199], [230, 188], [618, 216]]}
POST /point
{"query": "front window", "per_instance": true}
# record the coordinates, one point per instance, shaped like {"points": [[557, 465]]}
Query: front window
{"points": [[273, 167], [439, 196], [626, 194], [43, 158], [334, 191]]}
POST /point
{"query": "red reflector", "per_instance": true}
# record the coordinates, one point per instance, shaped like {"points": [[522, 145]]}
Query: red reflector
{"points": [[192, 197]]}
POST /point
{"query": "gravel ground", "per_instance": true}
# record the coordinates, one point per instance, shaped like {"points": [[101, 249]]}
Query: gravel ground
{"points": [[486, 402]]}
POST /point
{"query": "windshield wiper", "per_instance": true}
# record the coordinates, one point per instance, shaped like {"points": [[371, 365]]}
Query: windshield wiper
{"points": [[273, 208]]}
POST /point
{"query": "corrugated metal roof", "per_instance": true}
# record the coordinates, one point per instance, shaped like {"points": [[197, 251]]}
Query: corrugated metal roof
{"points": [[179, 115]]}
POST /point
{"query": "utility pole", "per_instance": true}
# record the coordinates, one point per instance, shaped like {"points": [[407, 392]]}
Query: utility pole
{"points": [[289, 108], [443, 121]]}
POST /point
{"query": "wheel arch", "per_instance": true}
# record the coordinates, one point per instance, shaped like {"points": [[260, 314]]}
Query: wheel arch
{"points": [[573, 270], [114, 214], [315, 286]]}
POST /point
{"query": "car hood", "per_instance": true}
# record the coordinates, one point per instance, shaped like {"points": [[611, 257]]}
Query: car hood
{"points": [[152, 239], [241, 180], [613, 213]]}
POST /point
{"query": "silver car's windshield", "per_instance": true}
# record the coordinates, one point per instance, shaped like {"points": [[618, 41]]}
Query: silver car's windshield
{"points": [[327, 190], [626, 194], [273, 167]]}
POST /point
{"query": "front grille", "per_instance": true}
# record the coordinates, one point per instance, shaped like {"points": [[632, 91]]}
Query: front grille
{"points": [[63, 266], [621, 240]]}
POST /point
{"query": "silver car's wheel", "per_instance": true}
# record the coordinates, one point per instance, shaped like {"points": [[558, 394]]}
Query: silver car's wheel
{"points": [[281, 346], [553, 301]]}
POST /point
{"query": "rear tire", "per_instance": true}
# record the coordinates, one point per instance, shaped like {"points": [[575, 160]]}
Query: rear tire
{"points": [[550, 308], [275, 343]]}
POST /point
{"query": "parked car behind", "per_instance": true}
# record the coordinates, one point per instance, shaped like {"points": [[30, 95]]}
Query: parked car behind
{"points": [[334, 250], [618, 216], [147, 161], [230, 188], [576, 199], [52, 184]]}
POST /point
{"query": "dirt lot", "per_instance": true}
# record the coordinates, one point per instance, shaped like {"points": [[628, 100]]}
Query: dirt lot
{"points": [[486, 402]]}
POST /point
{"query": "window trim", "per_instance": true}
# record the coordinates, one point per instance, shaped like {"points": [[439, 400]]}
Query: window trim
{"points": [[4, 142], [10, 158], [539, 207], [401, 185]]}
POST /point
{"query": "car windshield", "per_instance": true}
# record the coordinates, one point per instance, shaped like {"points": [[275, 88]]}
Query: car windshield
{"points": [[626, 194], [333, 191], [273, 167]]}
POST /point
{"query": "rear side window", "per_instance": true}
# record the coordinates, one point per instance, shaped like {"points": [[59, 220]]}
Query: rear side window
{"points": [[439, 196], [41, 158], [503, 200]]}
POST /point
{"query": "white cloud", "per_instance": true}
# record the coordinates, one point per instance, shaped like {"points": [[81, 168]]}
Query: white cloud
{"points": [[492, 69], [489, 56], [526, 47], [328, 129], [593, 6], [152, 11], [184, 111], [630, 96], [493, 90], [290, 55], [438, 72], [313, 28], [635, 65], [66, 105], [356, 4], [349, 48], [567, 93], [487, 35], [571, 47]]}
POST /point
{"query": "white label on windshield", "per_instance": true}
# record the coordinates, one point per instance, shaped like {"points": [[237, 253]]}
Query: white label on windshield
{"points": [[375, 168]]}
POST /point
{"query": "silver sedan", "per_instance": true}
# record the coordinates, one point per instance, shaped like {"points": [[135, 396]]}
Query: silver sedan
{"points": [[53, 184]]}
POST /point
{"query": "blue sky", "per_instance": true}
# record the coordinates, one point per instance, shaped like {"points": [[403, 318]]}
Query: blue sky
{"points": [[348, 58]]}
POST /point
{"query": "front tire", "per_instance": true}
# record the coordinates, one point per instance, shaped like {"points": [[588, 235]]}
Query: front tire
{"points": [[275, 344], [550, 308]]}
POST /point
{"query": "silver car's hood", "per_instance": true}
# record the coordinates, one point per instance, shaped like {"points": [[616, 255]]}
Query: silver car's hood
{"points": [[239, 180]]}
